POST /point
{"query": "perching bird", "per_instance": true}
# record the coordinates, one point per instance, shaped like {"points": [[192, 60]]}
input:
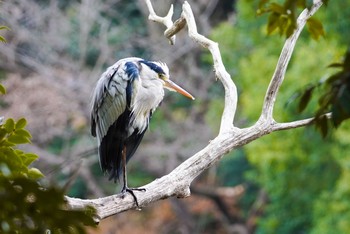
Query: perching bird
{"points": [[124, 99]]}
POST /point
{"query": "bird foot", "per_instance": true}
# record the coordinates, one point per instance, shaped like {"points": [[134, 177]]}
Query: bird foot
{"points": [[131, 191]]}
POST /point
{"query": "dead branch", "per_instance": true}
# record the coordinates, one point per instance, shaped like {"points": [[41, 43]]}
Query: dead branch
{"points": [[166, 20], [177, 183]]}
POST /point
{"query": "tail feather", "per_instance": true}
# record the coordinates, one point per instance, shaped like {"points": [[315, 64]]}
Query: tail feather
{"points": [[111, 147]]}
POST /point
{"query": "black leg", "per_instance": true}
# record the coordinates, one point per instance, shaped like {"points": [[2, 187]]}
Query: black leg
{"points": [[125, 179]]}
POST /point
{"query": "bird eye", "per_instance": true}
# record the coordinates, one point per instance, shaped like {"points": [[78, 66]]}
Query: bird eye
{"points": [[161, 76]]}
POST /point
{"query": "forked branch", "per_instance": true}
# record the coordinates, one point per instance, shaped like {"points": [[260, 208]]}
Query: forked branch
{"points": [[177, 183], [166, 20]]}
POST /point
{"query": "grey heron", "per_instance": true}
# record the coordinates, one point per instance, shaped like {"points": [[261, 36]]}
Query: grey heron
{"points": [[123, 101]]}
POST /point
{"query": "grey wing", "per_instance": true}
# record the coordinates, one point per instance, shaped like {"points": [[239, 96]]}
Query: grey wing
{"points": [[109, 100]]}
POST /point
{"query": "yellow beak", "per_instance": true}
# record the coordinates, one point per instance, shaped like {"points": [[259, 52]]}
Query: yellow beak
{"points": [[174, 87]]}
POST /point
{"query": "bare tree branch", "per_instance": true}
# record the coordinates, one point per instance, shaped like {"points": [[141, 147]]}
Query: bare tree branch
{"points": [[296, 124], [286, 54], [166, 20], [219, 68], [177, 183]]}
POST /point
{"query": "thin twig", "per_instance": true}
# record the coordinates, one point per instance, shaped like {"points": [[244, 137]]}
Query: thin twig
{"points": [[296, 124], [166, 20]]}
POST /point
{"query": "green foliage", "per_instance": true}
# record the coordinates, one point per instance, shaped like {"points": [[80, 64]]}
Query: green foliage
{"points": [[333, 217], [25, 205], [282, 17], [331, 211], [315, 28], [15, 162], [334, 99], [294, 177], [300, 171], [29, 208], [339, 92]]}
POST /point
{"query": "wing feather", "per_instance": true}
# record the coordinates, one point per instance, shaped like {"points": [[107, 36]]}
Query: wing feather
{"points": [[109, 100], [110, 114]]}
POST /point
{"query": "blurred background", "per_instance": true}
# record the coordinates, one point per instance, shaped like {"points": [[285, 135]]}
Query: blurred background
{"points": [[287, 182]]}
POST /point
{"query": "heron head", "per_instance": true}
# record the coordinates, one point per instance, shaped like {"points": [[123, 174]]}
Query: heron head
{"points": [[162, 71]]}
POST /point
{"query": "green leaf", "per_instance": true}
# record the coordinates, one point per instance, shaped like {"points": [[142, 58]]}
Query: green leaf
{"points": [[335, 65], [18, 139], [3, 133], [322, 124], [324, 101], [2, 39], [305, 98], [9, 125], [333, 78], [315, 28], [341, 105], [2, 27], [6, 143], [34, 173], [24, 133], [336, 115], [277, 8], [273, 22], [21, 123], [346, 63], [344, 100], [13, 161], [291, 26], [28, 158], [2, 88]]}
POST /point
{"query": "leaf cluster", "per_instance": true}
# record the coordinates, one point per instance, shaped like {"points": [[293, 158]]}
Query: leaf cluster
{"points": [[15, 162], [282, 17], [25, 205], [335, 98]]}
